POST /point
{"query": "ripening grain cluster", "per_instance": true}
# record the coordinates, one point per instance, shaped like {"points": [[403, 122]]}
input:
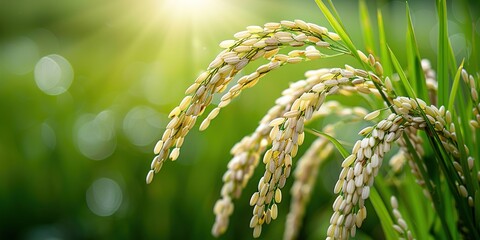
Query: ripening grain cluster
{"points": [[274, 145]]}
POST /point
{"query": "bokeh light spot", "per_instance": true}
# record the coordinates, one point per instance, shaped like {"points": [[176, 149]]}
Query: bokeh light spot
{"points": [[104, 197], [53, 74], [142, 125], [96, 135], [459, 45]]}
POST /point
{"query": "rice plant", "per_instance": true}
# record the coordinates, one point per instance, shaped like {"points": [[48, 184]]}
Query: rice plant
{"points": [[433, 116]]}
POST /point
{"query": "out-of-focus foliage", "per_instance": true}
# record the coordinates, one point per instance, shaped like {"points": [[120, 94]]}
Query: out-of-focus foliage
{"points": [[85, 87]]}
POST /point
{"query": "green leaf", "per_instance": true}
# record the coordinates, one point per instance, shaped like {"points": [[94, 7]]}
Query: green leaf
{"points": [[454, 90], [384, 54], [417, 212], [433, 186], [366, 28], [442, 59], [451, 59], [383, 214], [401, 74], [338, 27], [474, 59], [335, 142], [417, 77]]}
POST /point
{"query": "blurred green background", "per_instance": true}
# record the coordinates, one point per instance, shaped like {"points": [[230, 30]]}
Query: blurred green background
{"points": [[85, 87]]}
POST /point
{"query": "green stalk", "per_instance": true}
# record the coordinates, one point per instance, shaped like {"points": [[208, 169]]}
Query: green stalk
{"points": [[382, 212], [454, 90], [442, 60], [366, 27]]}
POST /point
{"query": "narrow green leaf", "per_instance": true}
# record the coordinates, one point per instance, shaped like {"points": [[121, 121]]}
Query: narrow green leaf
{"points": [[335, 13], [474, 59], [384, 55], [451, 58], [383, 214], [454, 90], [417, 77], [401, 74], [335, 142], [338, 27], [450, 211], [470, 34], [444, 162], [366, 27], [418, 212], [434, 190], [442, 59]]}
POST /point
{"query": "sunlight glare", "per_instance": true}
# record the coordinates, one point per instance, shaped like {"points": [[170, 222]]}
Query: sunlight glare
{"points": [[187, 7]]}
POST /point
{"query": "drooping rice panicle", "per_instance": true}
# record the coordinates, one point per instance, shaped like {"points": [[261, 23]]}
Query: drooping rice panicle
{"points": [[441, 120], [247, 152], [403, 156], [305, 176], [473, 87], [288, 133], [401, 225], [397, 161], [367, 156], [305, 173], [251, 44], [357, 176], [280, 133], [417, 143]]}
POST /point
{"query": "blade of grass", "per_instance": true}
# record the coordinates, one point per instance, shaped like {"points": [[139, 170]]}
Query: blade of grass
{"points": [[366, 27], [474, 45], [335, 13], [383, 214], [384, 55], [442, 60], [451, 58], [469, 31], [454, 90], [403, 78], [444, 162], [335, 142], [416, 74], [418, 211], [338, 27], [450, 211], [437, 201]]}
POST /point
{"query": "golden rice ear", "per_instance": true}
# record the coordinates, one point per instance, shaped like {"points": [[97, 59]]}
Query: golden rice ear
{"points": [[305, 177], [357, 176], [249, 45], [401, 225], [287, 134]]}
